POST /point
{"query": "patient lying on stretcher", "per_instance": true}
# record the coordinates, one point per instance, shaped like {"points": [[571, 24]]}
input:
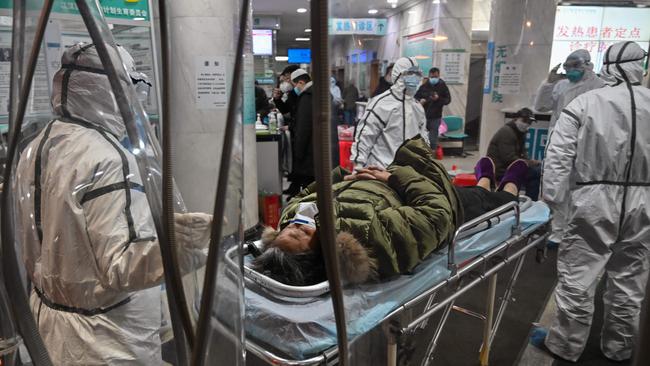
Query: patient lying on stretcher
{"points": [[387, 221]]}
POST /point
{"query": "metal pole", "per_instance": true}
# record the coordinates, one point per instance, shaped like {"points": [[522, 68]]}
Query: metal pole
{"points": [[484, 357], [19, 305], [323, 165], [210, 283], [128, 116]]}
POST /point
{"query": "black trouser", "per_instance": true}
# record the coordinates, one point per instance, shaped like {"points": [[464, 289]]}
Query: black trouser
{"points": [[476, 200]]}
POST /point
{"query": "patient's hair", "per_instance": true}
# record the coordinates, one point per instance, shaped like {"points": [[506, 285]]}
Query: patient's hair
{"points": [[295, 269]]}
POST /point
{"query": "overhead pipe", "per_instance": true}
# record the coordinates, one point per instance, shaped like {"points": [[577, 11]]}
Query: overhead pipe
{"points": [[19, 304], [322, 161], [211, 268], [128, 115]]}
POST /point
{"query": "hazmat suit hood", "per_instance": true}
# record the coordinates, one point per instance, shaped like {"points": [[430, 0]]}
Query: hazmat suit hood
{"points": [[623, 62], [579, 59], [81, 89], [402, 65]]}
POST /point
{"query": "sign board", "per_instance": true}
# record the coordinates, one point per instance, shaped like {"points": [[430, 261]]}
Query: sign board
{"points": [[452, 66], [489, 62], [116, 9], [420, 47], [596, 28], [367, 26], [211, 88], [510, 79]]}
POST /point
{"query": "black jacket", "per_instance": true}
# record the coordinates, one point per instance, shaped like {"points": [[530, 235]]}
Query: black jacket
{"points": [[303, 152], [381, 87], [289, 106], [506, 146], [433, 109]]}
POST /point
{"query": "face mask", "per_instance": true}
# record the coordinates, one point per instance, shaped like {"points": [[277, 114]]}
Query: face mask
{"points": [[434, 81], [522, 126], [412, 83], [574, 75], [306, 214], [296, 90], [285, 86]]}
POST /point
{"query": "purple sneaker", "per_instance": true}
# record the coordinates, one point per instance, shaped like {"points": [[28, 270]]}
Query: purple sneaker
{"points": [[485, 169], [516, 174]]}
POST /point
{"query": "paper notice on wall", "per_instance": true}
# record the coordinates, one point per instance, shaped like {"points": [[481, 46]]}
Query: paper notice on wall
{"points": [[211, 85], [452, 66], [510, 79]]}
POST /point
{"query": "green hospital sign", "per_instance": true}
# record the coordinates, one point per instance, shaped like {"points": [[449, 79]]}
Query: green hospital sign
{"points": [[115, 9]]}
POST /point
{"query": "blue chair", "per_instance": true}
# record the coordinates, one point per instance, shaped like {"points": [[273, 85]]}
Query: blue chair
{"points": [[455, 133]]}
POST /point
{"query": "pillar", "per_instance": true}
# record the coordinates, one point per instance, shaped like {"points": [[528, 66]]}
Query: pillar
{"points": [[521, 36]]}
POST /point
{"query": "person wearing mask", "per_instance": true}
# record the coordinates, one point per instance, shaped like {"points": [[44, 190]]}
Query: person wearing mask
{"points": [[433, 95], [350, 97], [385, 82], [303, 152], [555, 93], [598, 159], [88, 238], [390, 119], [335, 93], [284, 98], [509, 145]]}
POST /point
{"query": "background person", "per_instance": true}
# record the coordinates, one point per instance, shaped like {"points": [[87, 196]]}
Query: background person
{"points": [[509, 144], [433, 95], [385, 82], [598, 160], [390, 119], [88, 239], [553, 96], [350, 97], [302, 144]]}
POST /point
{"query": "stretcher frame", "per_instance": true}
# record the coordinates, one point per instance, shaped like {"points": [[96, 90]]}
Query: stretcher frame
{"points": [[463, 277]]}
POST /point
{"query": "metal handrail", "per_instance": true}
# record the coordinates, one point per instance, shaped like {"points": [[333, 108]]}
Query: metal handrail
{"points": [[451, 262]]}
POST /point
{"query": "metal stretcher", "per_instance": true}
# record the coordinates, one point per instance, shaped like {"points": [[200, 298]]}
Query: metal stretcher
{"points": [[514, 229]]}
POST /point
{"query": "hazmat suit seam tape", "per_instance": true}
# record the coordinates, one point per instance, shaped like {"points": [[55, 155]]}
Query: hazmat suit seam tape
{"points": [[571, 114], [37, 181], [96, 193], [73, 309]]}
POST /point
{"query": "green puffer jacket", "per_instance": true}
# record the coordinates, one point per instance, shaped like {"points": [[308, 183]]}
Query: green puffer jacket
{"points": [[399, 223]]}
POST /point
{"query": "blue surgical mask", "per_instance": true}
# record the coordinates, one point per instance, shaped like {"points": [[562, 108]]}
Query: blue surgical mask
{"points": [[412, 83], [575, 75], [434, 81], [296, 90]]}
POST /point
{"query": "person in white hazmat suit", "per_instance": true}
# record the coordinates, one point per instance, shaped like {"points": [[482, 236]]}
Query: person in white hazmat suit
{"points": [[88, 237], [390, 119], [598, 160], [554, 95]]}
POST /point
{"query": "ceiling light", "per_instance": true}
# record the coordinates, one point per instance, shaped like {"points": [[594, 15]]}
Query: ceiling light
{"points": [[138, 18], [373, 11], [302, 39], [281, 58], [392, 1], [308, 30], [301, 10], [532, 43], [411, 12], [393, 6], [436, 1], [277, 24], [529, 24]]}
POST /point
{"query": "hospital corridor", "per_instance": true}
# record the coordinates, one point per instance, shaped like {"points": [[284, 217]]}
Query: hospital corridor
{"points": [[324, 182]]}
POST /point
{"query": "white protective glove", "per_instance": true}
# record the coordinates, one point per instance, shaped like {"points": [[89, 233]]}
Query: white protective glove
{"points": [[554, 76], [193, 229]]}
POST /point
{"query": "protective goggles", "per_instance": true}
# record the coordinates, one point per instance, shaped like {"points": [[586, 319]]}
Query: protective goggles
{"points": [[413, 71]]}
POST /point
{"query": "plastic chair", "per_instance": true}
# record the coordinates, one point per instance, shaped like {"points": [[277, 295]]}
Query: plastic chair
{"points": [[456, 131]]}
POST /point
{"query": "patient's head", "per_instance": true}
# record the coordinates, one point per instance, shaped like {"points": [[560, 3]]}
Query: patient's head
{"points": [[288, 256], [293, 257]]}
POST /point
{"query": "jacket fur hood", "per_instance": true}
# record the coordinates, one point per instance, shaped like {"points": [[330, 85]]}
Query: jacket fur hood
{"points": [[357, 266]]}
